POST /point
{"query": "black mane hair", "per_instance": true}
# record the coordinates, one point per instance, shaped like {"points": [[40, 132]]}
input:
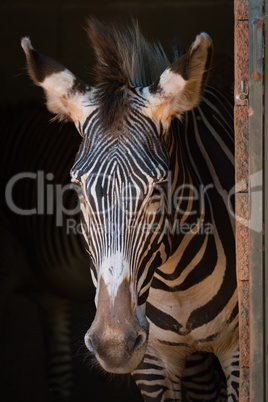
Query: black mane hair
{"points": [[125, 59]]}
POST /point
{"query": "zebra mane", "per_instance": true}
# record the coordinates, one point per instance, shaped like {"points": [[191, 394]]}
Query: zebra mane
{"points": [[125, 59]]}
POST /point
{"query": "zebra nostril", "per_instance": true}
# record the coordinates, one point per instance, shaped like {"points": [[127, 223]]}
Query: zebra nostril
{"points": [[140, 340], [89, 343]]}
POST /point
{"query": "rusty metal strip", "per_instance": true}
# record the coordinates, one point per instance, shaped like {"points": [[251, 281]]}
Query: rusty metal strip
{"points": [[256, 207], [266, 200]]}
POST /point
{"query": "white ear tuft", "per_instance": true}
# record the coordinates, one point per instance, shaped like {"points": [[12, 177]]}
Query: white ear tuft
{"points": [[67, 96], [180, 87], [26, 44]]}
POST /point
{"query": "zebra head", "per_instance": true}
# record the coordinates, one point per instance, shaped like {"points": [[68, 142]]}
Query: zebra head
{"points": [[122, 169]]}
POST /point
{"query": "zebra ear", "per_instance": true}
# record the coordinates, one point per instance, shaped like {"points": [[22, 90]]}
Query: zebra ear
{"points": [[66, 95], [180, 87]]}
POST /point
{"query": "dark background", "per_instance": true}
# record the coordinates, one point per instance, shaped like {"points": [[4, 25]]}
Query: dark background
{"points": [[56, 28]]}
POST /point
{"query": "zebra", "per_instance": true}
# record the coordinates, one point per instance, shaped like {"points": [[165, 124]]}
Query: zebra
{"points": [[21, 125], [164, 271]]}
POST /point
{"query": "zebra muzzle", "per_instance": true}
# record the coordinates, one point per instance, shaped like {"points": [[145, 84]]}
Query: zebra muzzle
{"points": [[119, 333], [116, 350]]}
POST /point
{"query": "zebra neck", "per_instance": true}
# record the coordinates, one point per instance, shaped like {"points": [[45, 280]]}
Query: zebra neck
{"points": [[187, 199], [203, 216]]}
